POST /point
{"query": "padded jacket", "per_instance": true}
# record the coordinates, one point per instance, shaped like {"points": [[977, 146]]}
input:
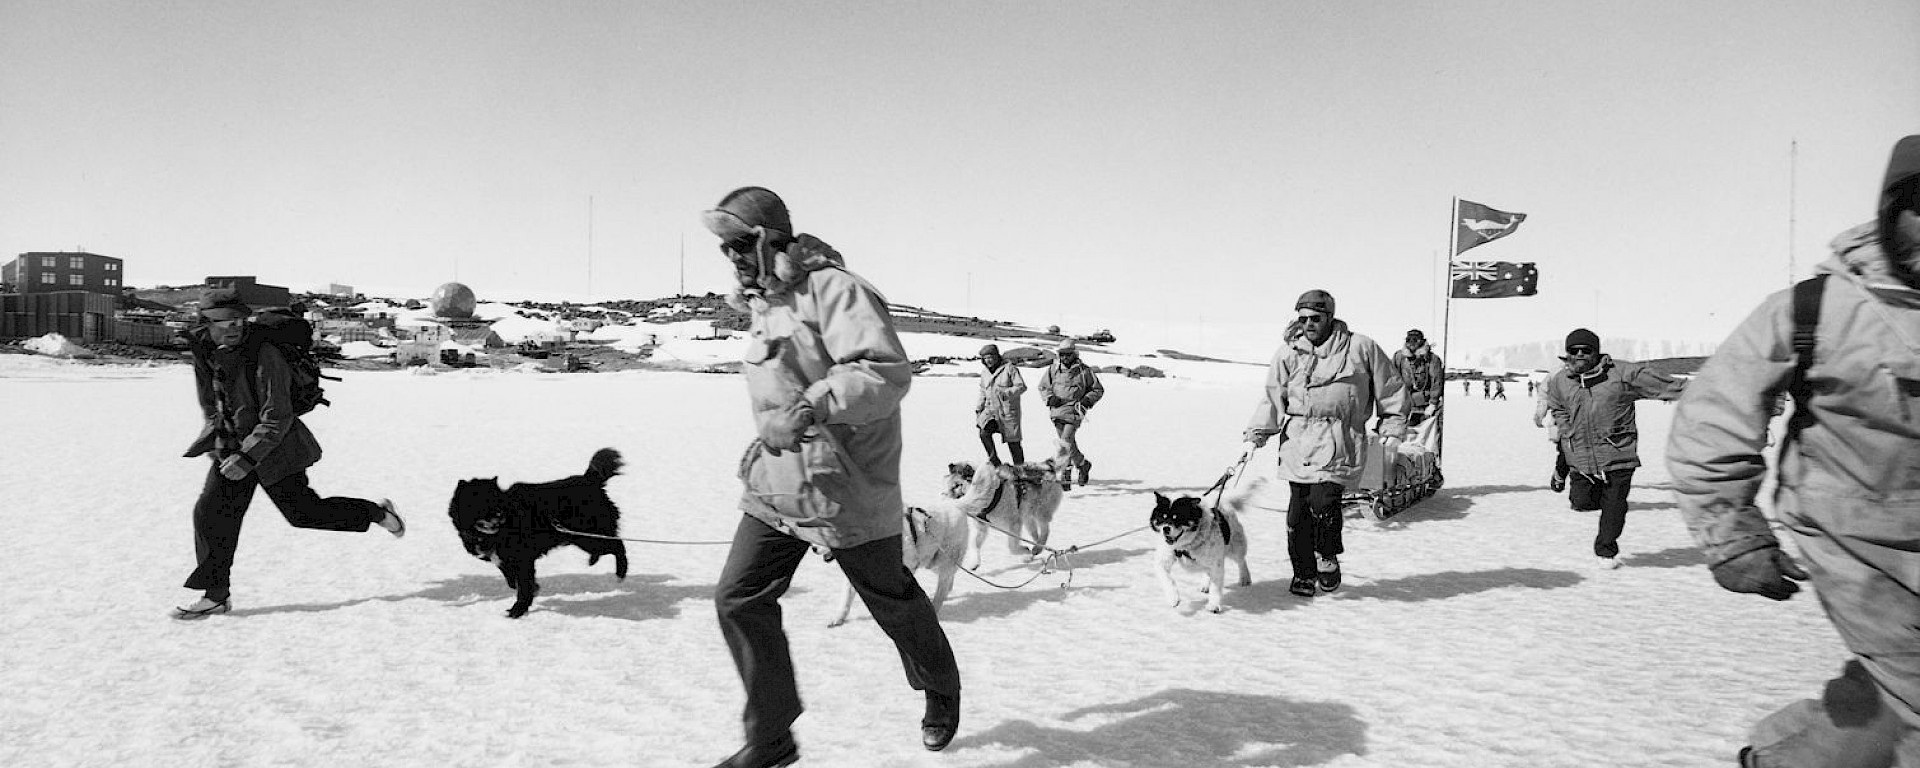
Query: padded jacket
{"points": [[827, 337], [1320, 399], [254, 418], [1594, 412], [1000, 391]]}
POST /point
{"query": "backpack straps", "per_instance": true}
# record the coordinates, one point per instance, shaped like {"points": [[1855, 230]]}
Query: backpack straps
{"points": [[1807, 295]]}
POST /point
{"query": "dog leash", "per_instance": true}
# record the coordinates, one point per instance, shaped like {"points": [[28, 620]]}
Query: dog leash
{"points": [[571, 532], [1232, 473]]}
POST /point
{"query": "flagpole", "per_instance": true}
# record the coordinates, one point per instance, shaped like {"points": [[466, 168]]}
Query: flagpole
{"points": [[1446, 328]]}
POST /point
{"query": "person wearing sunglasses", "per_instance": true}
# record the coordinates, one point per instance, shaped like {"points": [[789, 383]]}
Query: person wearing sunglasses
{"points": [[1846, 477], [1322, 388], [1592, 406], [255, 440], [825, 374]]}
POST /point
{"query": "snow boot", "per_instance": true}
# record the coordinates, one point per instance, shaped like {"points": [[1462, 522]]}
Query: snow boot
{"points": [[941, 721], [1303, 587], [773, 754]]}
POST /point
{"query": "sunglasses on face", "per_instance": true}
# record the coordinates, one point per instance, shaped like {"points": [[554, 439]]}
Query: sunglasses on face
{"points": [[739, 245], [1313, 318], [1581, 351]]}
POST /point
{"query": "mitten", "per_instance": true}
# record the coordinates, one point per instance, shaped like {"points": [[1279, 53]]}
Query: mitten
{"points": [[783, 429], [1764, 572]]}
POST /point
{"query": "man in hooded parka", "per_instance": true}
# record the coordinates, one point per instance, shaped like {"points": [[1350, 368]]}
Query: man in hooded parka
{"points": [[1421, 371], [1322, 388], [1848, 475], [825, 374], [998, 407]]}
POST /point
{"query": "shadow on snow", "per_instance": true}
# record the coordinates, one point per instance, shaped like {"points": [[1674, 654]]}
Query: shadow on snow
{"points": [[1187, 727], [638, 598]]}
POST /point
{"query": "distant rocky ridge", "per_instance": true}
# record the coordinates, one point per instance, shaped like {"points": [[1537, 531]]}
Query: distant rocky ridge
{"points": [[1545, 355]]}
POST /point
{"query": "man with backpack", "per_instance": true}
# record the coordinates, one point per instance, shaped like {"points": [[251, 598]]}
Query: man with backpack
{"points": [[247, 388], [1846, 346]]}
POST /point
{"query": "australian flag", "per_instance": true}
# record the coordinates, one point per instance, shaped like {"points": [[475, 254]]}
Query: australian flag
{"points": [[1479, 225], [1494, 279]]}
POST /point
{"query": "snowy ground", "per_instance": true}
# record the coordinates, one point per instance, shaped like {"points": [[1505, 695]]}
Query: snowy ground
{"points": [[1473, 630]]}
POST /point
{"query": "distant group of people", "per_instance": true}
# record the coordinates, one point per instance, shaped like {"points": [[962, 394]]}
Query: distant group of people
{"points": [[1068, 387], [826, 373]]}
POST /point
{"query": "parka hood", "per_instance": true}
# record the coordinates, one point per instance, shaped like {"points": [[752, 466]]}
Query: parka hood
{"points": [[805, 254], [1860, 254], [1903, 168]]}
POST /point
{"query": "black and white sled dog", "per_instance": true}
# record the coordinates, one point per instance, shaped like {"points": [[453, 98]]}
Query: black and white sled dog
{"points": [[515, 527], [1016, 499], [933, 539], [1201, 538]]}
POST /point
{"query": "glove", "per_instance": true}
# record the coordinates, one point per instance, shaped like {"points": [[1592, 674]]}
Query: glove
{"points": [[236, 466], [1257, 436], [1054, 401], [1086, 403], [1764, 572], [784, 429]]}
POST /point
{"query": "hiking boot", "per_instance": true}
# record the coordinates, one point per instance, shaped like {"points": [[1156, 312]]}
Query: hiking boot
{"points": [[1303, 587], [1609, 563], [1558, 483], [772, 754], [1747, 759], [1329, 573], [1086, 468], [202, 609], [392, 522], [941, 721]]}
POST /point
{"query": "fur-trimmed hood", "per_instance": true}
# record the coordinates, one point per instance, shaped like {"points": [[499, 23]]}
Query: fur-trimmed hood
{"points": [[790, 265]]}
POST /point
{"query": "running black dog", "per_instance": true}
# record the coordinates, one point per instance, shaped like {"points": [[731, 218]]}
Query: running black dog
{"points": [[514, 527]]}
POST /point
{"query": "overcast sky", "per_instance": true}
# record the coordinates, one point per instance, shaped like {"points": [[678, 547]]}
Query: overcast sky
{"points": [[1043, 162]]}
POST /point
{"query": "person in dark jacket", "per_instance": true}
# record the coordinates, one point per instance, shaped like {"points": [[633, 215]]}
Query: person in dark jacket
{"points": [[255, 440], [1592, 404], [1846, 490], [1421, 372], [1070, 389], [825, 374]]}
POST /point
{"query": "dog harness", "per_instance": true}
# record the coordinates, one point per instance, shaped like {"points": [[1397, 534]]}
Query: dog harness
{"points": [[1226, 533]]}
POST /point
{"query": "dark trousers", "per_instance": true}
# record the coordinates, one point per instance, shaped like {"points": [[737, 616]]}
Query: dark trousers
{"points": [[1013, 446], [1313, 526], [223, 505], [759, 569], [1609, 495]]}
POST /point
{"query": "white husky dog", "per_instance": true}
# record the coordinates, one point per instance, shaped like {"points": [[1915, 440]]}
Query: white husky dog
{"points": [[1019, 500], [933, 539], [1202, 538]]}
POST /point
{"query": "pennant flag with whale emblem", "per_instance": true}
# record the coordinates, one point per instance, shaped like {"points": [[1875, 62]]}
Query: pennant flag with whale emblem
{"points": [[1479, 225], [1494, 279]]}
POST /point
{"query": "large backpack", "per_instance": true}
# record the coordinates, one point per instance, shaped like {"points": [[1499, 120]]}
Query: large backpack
{"points": [[293, 337]]}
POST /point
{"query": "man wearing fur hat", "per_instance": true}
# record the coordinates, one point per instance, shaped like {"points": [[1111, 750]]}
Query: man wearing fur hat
{"points": [[255, 440], [998, 409], [1423, 375], [1322, 388], [825, 375], [1848, 477], [1070, 389], [1591, 403]]}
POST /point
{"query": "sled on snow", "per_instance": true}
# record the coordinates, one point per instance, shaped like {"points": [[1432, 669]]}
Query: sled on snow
{"points": [[1391, 480]]}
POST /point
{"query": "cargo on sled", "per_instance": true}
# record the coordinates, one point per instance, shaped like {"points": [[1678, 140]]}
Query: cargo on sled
{"points": [[1391, 479]]}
